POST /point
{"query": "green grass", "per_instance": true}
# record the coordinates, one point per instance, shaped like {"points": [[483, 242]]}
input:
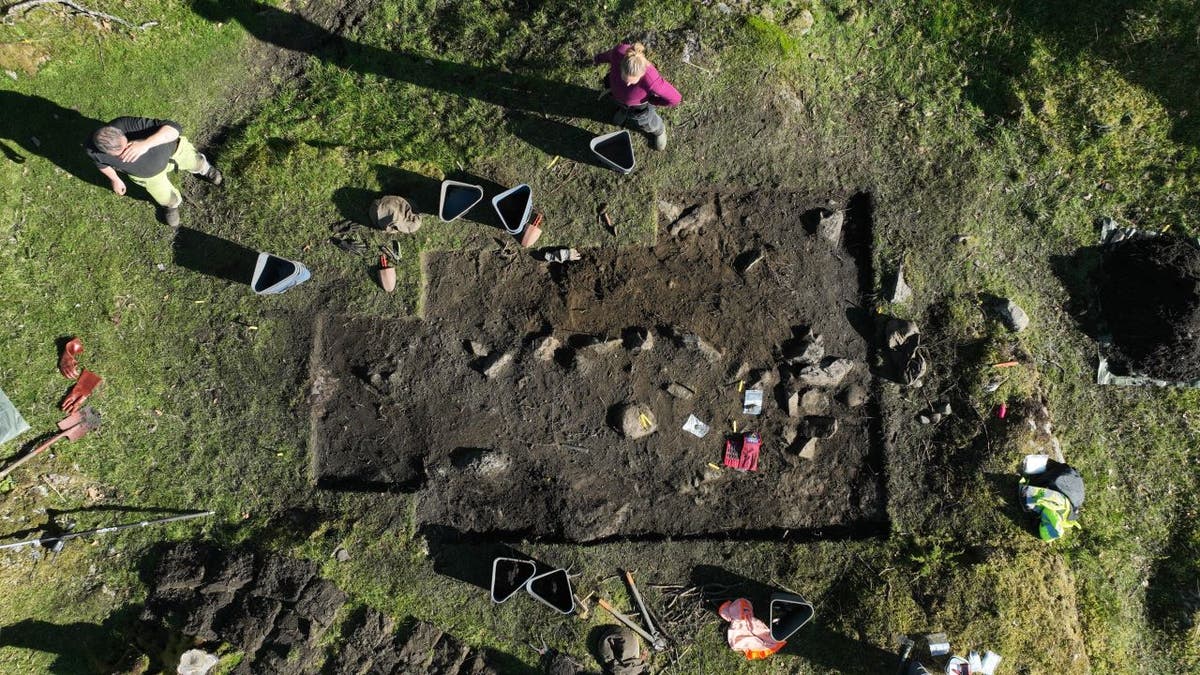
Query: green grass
{"points": [[1016, 123]]}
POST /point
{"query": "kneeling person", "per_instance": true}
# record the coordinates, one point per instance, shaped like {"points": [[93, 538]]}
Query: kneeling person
{"points": [[147, 150]]}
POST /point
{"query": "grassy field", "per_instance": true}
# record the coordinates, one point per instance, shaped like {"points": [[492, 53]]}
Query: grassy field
{"points": [[1014, 122]]}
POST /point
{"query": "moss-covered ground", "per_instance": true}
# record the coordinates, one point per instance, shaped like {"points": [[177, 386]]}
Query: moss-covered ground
{"points": [[1013, 122]]}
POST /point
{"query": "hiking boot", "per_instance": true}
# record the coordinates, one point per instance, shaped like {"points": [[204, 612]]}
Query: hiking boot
{"points": [[170, 215], [660, 140], [620, 117], [213, 175]]}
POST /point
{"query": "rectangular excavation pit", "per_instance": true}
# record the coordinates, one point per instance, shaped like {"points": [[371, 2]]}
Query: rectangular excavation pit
{"points": [[502, 407]]}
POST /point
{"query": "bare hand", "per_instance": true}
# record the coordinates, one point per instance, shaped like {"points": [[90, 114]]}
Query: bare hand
{"points": [[134, 150], [118, 186]]}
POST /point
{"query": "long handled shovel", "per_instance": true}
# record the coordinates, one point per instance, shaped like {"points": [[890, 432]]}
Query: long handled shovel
{"points": [[72, 427]]}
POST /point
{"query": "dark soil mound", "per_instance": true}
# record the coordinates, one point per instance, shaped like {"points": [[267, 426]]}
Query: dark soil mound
{"points": [[1150, 297]]}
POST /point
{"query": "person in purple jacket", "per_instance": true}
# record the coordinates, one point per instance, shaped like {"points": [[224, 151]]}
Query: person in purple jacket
{"points": [[637, 87]]}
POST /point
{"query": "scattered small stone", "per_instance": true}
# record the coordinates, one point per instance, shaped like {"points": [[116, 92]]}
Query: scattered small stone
{"points": [[960, 240], [740, 373], [680, 391], [829, 227], [793, 405], [802, 23], [815, 426], [854, 395], [600, 348], [789, 435], [477, 348], [762, 379], [923, 419], [1010, 314], [545, 348], [497, 365], [900, 291], [746, 260], [341, 554], [943, 409], [829, 373], [638, 339], [809, 449], [814, 402], [632, 424]]}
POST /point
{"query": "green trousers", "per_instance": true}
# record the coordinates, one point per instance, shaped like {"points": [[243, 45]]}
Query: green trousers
{"points": [[159, 186]]}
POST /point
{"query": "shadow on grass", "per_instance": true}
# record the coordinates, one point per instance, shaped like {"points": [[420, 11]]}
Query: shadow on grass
{"points": [[1152, 43], [80, 647], [1077, 272], [41, 127], [816, 643], [509, 90], [213, 256]]}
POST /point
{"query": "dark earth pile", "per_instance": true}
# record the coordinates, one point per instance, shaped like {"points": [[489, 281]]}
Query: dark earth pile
{"points": [[279, 614], [505, 407], [1150, 296]]}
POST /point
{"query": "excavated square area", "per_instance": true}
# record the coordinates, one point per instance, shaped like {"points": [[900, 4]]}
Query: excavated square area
{"points": [[503, 407]]}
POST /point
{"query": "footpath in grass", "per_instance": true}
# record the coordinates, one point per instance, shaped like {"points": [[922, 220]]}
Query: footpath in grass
{"points": [[1010, 122]]}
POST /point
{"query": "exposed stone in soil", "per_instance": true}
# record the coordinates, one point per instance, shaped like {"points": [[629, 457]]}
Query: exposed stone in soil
{"points": [[571, 472]]}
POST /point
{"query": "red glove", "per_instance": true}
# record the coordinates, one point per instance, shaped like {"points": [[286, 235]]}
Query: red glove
{"points": [[80, 392], [66, 363]]}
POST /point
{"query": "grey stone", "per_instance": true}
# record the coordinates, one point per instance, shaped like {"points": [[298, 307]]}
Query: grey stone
{"points": [[793, 405], [814, 402], [900, 292], [544, 348], [1011, 315], [854, 395], [602, 348], [341, 554], [829, 227], [638, 340], [943, 409], [694, 220], [668, 212], [497, 364], [809, 449], [829, 373], [924, 419], [477, 348], [631, 422], [762, 380], [680, 391]]}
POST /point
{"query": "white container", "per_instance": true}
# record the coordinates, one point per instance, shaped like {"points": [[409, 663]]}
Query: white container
{"points": [[991, 660], [274, 275], [1034, 464], [461, 194], [510, 198], [615, 150]]}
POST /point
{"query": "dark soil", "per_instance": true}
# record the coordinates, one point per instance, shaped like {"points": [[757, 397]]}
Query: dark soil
{"points": [[277, 611], [1150, 298], [535, 449]]}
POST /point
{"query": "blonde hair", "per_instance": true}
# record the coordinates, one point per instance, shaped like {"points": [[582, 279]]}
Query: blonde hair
{"points": [[635, 61]]}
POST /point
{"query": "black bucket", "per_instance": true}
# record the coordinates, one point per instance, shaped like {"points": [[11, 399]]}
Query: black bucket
{"points": [[514, 207], [789, 613], [510, 575], [616, 149], [456, 199], [554, 590]]}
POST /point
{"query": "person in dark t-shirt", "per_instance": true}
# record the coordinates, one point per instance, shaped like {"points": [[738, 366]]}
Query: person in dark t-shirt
{"points": [[147, 150]]}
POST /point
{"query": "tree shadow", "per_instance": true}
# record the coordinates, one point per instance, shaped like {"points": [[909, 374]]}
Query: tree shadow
{"points": [[508, 90], [815, 643], [1077, 272], [82, 647], [41, 127], [1152, 44]]}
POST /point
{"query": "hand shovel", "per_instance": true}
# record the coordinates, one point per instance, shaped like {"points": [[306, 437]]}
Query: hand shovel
{"points": [[387, 275], [72, 427]]}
